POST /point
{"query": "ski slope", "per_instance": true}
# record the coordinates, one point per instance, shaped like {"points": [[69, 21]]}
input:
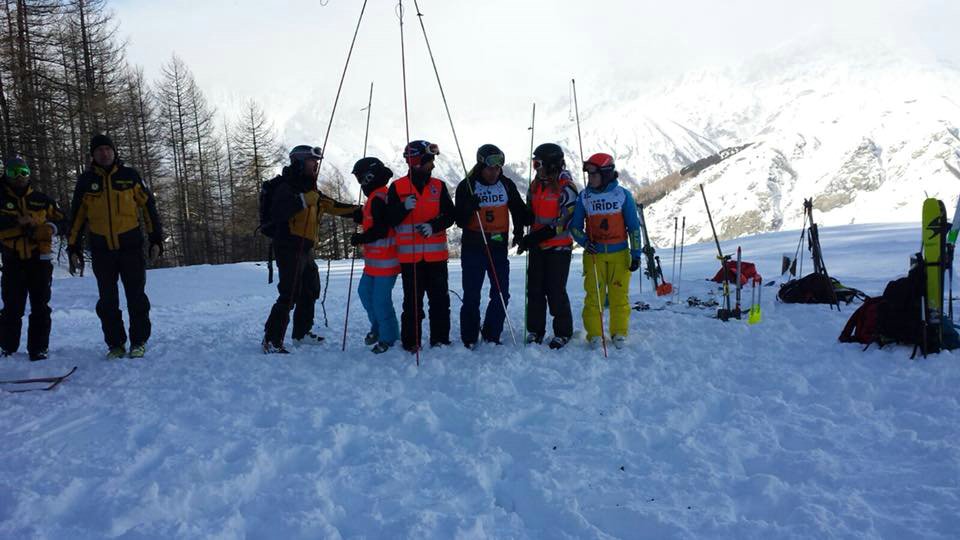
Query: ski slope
{"points": [[698, 429]]}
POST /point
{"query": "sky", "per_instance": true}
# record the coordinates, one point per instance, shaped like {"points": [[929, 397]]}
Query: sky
{"points": [[495, 57]]}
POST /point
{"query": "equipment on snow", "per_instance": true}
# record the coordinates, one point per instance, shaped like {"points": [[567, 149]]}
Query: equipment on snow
{"points": [[652, 270], [739, 276], [52, 382], [683, 230], [722, 313], [755, 316], [822, 290], [817, 289], [558, 342]]}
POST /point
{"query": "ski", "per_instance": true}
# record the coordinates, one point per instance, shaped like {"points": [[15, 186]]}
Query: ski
{"points": [[51, 381], [934, 249], [648, 251]]}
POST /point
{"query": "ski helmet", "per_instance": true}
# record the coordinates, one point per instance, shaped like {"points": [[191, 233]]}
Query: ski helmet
{"points": [[369, 170], [549, 155], [602, 163], [490, 156], [16, 167], [303, 152], [419, 152]]}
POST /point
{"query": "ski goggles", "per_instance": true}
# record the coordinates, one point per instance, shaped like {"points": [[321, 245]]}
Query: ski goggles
{"points": [[18, 170], [494, 160], [304, 152], [591, 169]]}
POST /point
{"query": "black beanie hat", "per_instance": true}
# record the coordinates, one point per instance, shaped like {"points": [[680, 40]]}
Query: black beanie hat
{"points": [[101, 140]]}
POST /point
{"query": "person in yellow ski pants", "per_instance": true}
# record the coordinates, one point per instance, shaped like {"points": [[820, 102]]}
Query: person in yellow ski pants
{"points": [[605, 223]]}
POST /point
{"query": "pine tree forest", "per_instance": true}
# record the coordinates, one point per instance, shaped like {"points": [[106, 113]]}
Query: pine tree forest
{"points": [[64, 78]]}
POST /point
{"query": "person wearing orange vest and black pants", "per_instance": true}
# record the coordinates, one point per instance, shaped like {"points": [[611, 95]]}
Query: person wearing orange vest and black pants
{"points": [[380, 262], [487, 192], [551, 200], [294, 213], [605, 223], [422, 210], [28, 221], [108, 200]]}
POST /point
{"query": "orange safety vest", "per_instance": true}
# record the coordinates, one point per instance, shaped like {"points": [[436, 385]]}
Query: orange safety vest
{"points": [[604, 211], [493, 208], [411, 247], [379, 256], [546, 210]]}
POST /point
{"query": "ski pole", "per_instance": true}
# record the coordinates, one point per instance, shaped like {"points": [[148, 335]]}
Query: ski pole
{"points": [[724, 313], [526, 259], [683, 231], [736, 312], [353, 259], [673, 265], [596, 277], [406, 123]]}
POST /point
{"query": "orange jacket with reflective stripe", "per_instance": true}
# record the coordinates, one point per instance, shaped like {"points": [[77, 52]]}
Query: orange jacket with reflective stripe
{"points": [[411, 247], [545, 202], [379, 256]]}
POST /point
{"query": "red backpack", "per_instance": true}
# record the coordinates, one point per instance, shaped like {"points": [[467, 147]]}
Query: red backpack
{"points": [[864, 325]]}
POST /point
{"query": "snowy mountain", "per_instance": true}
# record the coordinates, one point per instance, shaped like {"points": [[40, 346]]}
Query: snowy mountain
{"points": [[863, 131], [696, 429]]}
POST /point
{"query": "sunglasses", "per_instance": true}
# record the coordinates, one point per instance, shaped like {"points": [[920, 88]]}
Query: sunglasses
{"points": [[494, 160], [18, 170]]}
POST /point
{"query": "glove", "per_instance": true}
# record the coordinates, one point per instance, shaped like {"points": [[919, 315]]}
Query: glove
{"points": [[358, 216], [425, 229], [592, 247], [524, 243], [156, 248], [75, 255], [410, 202], [634, 264], [355, 239]]}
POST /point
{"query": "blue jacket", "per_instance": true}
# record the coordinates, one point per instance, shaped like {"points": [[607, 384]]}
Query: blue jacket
{"points": [[630, 220]]}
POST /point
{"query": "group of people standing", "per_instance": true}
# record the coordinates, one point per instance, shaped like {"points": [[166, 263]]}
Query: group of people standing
{"points": [[403, 233], [404, 226], [113, 208]]}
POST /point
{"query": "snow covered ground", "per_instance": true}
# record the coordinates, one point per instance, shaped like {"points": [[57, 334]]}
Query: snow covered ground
{"points": [[699, 429]]}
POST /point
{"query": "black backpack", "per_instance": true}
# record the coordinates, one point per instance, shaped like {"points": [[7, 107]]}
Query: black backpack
{"points": [[817, 289], [266, 227], [901, 314]]}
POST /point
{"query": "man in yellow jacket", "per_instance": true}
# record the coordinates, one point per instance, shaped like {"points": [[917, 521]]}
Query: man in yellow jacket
{"points": [[28, 221], [294, 210], [108, 202]]}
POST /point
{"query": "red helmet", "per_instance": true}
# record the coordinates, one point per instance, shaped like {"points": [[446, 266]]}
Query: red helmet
{"points": [[604, 165]]}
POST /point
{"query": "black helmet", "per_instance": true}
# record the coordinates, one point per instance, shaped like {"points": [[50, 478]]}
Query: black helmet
{"points": [[490, 156], [550, 155], [303, 152], [370, 170]]}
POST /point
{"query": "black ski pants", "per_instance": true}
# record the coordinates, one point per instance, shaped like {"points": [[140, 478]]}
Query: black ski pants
{"points": [[129, 266], [298, 287], [22, 278], [431, 277], [547, 273]]}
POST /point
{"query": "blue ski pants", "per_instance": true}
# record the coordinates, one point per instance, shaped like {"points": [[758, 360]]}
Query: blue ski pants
{"points": [[376, 295], [475, 263]]}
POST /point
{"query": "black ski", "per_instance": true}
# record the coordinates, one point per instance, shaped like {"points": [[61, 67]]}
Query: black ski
{"points": [[51, 381]]}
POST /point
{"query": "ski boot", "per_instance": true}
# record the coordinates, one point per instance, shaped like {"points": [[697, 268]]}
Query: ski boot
{"points": [[380, 348], [309, 339], [435, 344], [533, 337], [6, 354], [138, 351], [38, 355], [117, 353], [370, 339], [619, 341], [559, 342], [593, 342], [270, 348], [471, 345]]}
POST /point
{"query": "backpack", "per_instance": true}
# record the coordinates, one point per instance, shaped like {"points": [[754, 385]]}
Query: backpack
{"points": [[894, 317], [817, 289], [265, 201], [863, 325]]}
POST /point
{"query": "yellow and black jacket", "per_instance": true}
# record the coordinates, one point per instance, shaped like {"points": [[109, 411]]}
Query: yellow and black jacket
{"points": [[110, 202], [296, 208], [30, 240]]}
